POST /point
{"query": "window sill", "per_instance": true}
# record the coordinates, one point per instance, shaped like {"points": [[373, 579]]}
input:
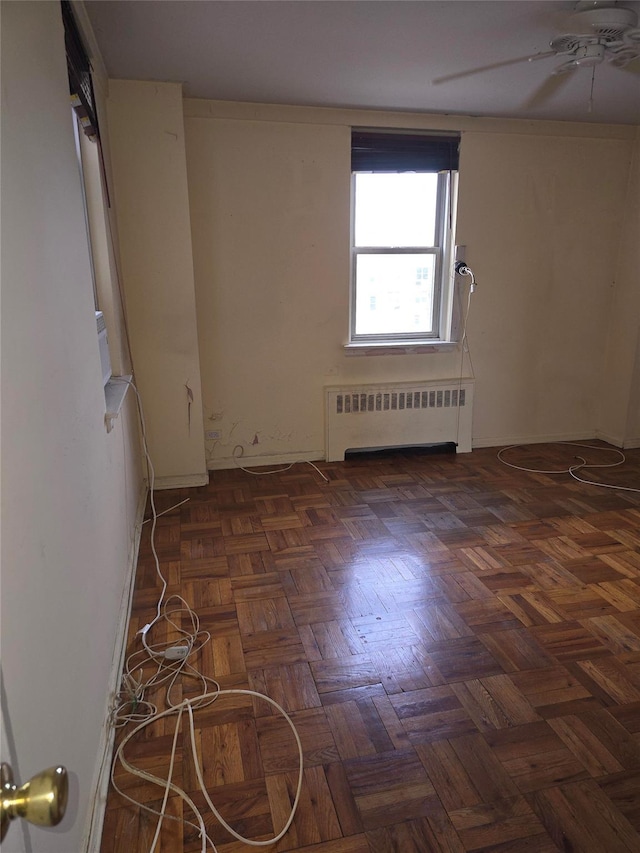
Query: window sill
{"points": [[114, 394], [417, 348]]}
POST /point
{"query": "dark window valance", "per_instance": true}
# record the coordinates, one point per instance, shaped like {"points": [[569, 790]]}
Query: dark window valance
{"points": [[380, 151], [79, 70]]}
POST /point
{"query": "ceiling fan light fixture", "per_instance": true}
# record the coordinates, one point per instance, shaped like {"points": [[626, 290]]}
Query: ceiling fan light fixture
{"points": [[589, 55], [599, 30], [562, 69], [609, 22]]}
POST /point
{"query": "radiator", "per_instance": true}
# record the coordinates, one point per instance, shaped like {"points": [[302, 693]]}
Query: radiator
{"points": [[401, 414]]}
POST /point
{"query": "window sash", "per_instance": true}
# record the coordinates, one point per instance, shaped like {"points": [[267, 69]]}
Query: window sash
{"points": [[442, 238]]}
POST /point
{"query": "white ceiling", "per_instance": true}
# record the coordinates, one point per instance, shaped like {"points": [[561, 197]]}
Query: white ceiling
{"points": [[381, 54]]}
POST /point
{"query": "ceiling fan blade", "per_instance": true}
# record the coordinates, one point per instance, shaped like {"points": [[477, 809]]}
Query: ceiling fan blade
{"points": [[532, 58], [547, 89], [633, 67]]}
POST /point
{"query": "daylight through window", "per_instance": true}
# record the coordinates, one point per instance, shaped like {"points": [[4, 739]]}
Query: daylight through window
{"points": [[401, 235]]}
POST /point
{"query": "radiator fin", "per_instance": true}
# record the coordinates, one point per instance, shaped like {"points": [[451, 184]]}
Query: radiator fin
{"points": [[382, 416], [398, 400]]}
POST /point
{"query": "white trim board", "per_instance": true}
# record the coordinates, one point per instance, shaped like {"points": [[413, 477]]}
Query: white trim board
{"points": [[501, 441], [95, 820], [229, 462], [181, 481]]}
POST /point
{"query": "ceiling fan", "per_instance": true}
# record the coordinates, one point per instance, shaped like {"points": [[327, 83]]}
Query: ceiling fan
{"points": [[599, 31]]}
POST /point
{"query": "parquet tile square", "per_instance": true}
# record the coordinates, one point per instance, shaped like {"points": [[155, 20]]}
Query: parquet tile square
{"points": [[431, 714], [457, 643], [494, 703], [601, 826], [291, 686], [433, 832], [593, 569], [535, 757], [609, 678], [483, 615], [510, 821], [628, 715], [569, 641], [516, 650], [462, 658], [552, 691], [391, 787], [623, 789]]}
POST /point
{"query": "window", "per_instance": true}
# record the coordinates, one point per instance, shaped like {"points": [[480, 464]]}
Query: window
{"points": [[85, 122], [402, 213], [95, 202]]}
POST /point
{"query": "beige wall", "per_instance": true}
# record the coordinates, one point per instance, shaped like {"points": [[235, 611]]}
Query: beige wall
{"points": [[270, 220], [540, 210], [70, 490], [620, 390], [148, 161], [541, 217]]}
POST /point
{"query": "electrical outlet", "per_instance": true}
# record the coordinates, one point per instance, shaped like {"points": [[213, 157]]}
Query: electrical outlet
{"points": [[212, 434]]}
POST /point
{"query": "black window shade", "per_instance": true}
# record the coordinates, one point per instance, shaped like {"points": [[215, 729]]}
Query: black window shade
{"points": [[376, 151], [79, 70]]}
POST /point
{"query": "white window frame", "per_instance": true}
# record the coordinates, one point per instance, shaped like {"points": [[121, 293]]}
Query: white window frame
{"points": [[443, 250], [77, 132]]}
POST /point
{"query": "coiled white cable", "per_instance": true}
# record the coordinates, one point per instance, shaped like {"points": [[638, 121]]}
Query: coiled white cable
{"points": [[571, 469], [133, 707], [168, 785]]}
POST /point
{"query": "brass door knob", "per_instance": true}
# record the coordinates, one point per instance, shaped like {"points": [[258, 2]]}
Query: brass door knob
{"points": [[42, 800]]}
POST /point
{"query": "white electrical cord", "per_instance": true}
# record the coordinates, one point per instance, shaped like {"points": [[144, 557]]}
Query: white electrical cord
{"points": [[463, 269], [165, 511], [133, 707], [571, 469], [275, 470], [168, 785], [131, 703], [152, 476]]}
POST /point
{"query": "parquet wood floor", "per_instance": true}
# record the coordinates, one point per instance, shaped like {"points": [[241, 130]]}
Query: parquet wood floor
{"points": [[457, 642]]}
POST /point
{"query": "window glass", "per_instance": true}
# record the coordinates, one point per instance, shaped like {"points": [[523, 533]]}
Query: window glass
{"points": [[402, 224], [394, 294], [395, 209]]}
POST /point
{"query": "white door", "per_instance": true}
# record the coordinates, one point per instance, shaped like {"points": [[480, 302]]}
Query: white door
{"points": [[14, 841], [65, 509]]}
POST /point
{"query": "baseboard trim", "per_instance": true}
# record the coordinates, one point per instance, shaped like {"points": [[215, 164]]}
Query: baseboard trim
{"points": [[95, 825], [185, 481], [610, 439], [502, 441], [617, 441], [230, 462]]}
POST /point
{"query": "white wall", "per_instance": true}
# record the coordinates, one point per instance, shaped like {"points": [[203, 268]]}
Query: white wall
{"points": [[147, 146], [541, 217], [70, 491], [540, 210], [620, 390], [270, 225]]}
